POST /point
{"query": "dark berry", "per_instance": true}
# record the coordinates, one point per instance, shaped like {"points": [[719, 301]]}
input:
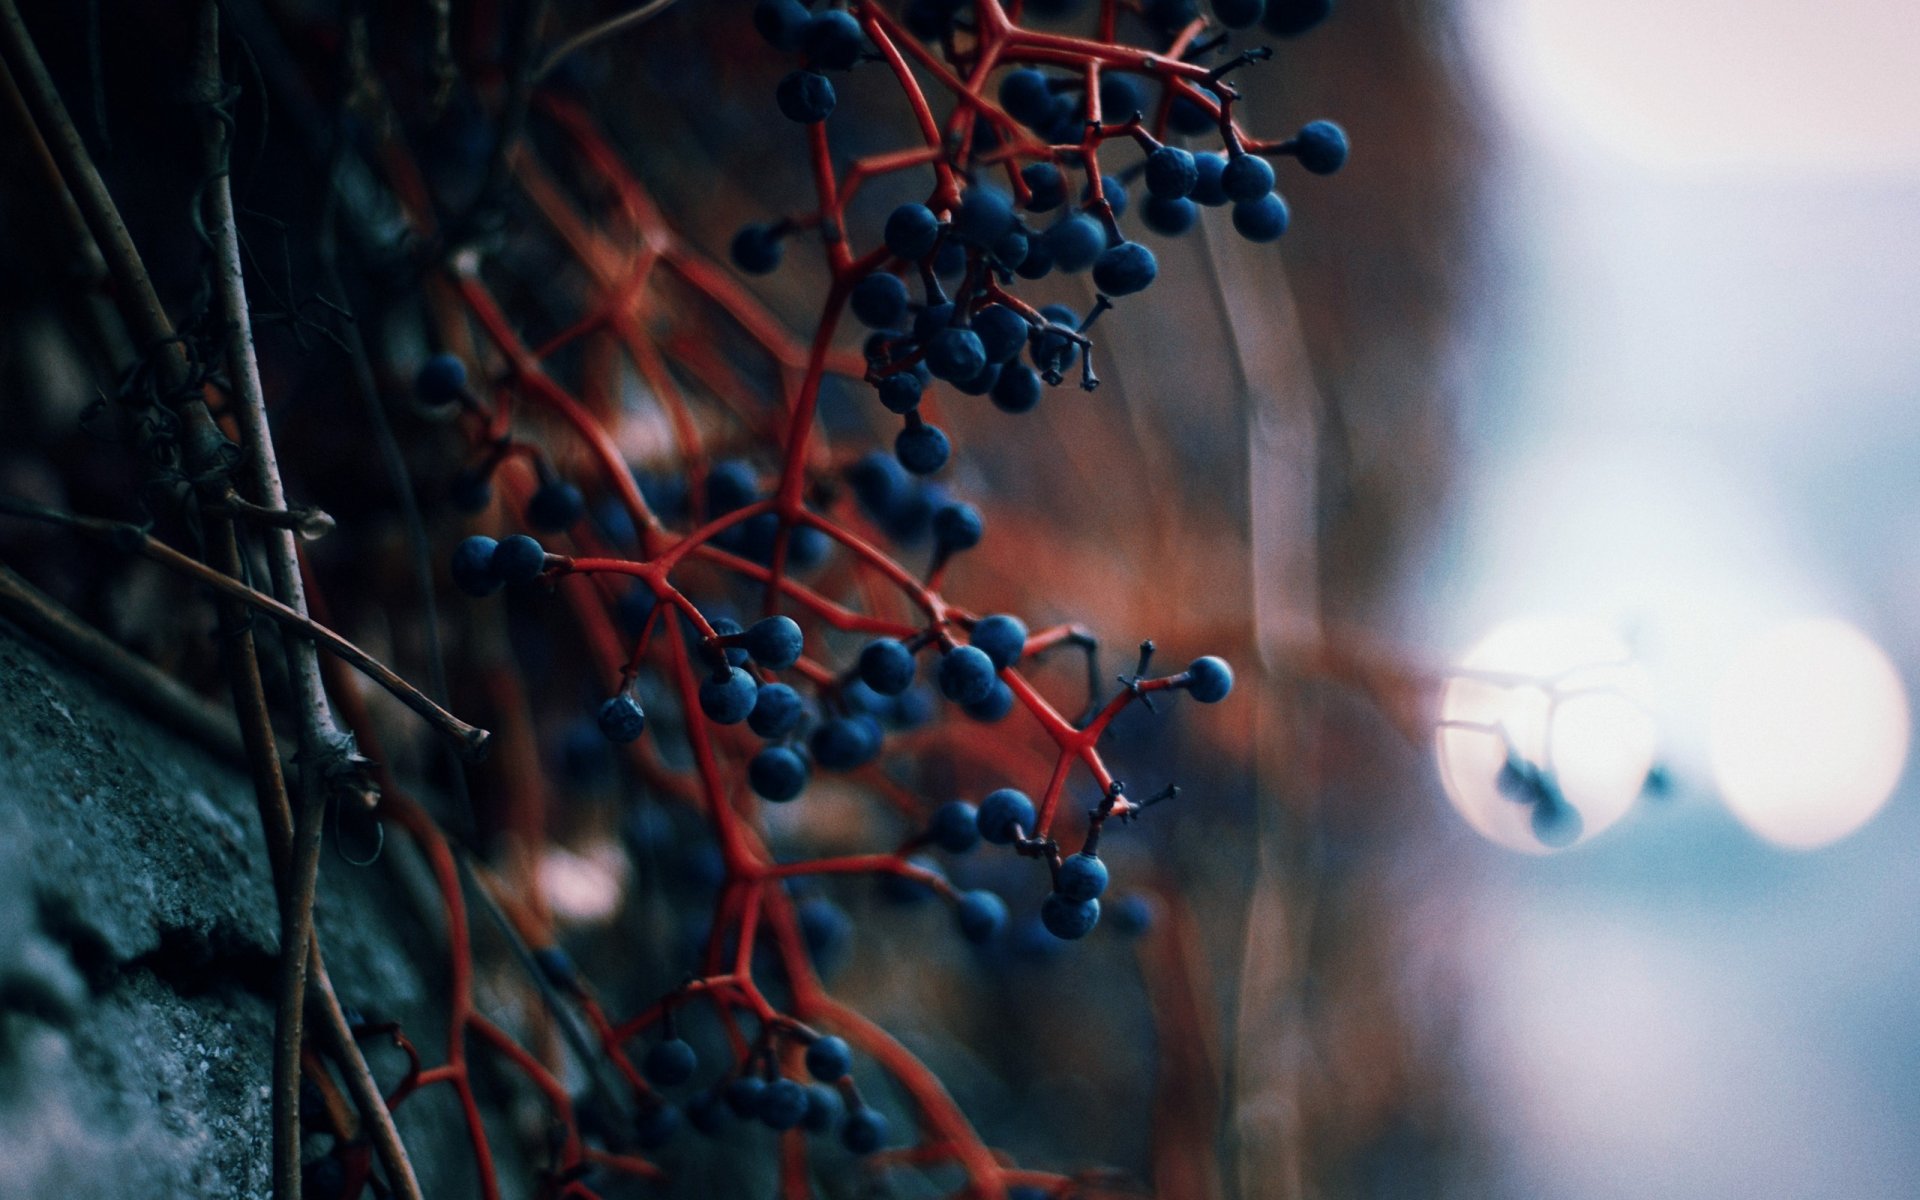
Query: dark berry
{"points": [[780, 22], [775, 642], [756, 249], [442, 379], [1002, 637], [743, 1095], [669, 1063], [1075, 242], [832, 39], [1169, 218], [1246, 177], [1131, 914], [1082, 877], [1186, 116], [1262, 220], [982, 915], [655, 1126], [993, 706], [828, 1059], [778, 774], [473, 571], [981, 384], [1112, 191], [782, 1103], [1069, 919], [900, 392], [909, 889], [708, 1113], [1047, 185], [777, 709], [1207, 188], [518, 559], [965, 675], [727, 699], [1125, 269], [1017, 390], [879, 301], [1026, 97], [1209, 679], [846, 743], [824, 1107], [1321, 147], [864, 1132], [806, 97], [886, 666], [922, 448], [1005, 815], [955, 827], [1002, 332], [1121, 96], [957, 526], [955, 354], [911, 231], [621, 719], [1171, 173], [984, 216], [555, 506]]}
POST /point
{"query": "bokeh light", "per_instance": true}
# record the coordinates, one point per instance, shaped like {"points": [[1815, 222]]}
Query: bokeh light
{"points": [[1545, 736], [1809, 732]]}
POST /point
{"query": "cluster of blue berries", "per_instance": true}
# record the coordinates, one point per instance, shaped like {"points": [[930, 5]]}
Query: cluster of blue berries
{"points": [[818, 1106]]}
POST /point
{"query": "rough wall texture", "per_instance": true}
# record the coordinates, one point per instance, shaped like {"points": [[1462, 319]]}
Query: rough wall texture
{"points": [[137, 941]]}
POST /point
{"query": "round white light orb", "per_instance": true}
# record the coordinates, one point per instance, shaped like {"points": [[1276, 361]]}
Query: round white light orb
{"points": [[1545, 736], [1808, 732]]}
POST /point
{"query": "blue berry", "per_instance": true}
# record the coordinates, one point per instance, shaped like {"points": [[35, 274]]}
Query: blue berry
{"points": [[554, 506], [955, 827], [846, 743], [756, 249], [782, 1104], [1556, 823], [1125, 269], [1321, 147], [473, 567], [1081, 877], [911, 231], [1026, 97], [1002, 637], [1004, 815], [1075, 242], [965, 675], [879, 300], [984, 216], [1121, 96], [806, 97], [828, 1059], [1291, 18], [518, 559], [583, 752], [982, 915], [743, 1095], [1131, 915], [832, 39], [442, 379], [1189, 118], [995, 705], [1169, 218], [827, 929], [557, 965], [930, 320], [778, 774], [980, 384], [950, 259], [781, 22], [621, 719], [728, 627], [1069, 919], [1038, 263], [824, 1107], [886, 666], [900, 392], [1017, 390], [1239, 14], [1209, 679], [1262, 220], [1011, 248], [775, 642], [1171, 173], [1047, 185], [727, 699], [777, 709], [864, 1132], [1207, 188], [669, 1063], [1002, 332], [1246, 177], [957, 526], [910, 709], [955, 354], [922, 448], [655, 1126]]}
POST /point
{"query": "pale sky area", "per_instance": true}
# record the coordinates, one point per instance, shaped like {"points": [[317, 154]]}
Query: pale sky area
{"points": [[1703, 418]]}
